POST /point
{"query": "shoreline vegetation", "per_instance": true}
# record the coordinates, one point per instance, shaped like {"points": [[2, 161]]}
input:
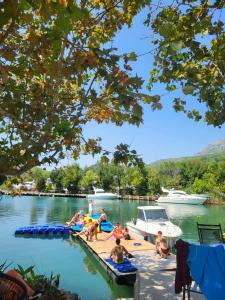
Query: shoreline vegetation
{"points": [[121, 197], [194, 175]]}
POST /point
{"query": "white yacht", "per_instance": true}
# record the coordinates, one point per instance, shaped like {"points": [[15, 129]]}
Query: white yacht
{"points": [[152, 219], [178, 196], [100, 194]]}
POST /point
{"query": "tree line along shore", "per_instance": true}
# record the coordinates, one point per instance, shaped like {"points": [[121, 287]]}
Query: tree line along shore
{"points": [[194, 175]]}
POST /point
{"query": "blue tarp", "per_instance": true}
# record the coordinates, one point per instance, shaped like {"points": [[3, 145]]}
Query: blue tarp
{"points": [[207, 267], [125, 267]]}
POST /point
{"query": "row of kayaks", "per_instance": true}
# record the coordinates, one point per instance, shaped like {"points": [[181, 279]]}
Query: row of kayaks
{"points": [[62, 229]]}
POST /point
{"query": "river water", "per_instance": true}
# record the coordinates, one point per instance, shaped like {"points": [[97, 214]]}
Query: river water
{"points": [[79, 271]]}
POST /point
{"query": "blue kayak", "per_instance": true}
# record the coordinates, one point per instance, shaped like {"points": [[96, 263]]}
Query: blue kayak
{"points": [[43, 229]]}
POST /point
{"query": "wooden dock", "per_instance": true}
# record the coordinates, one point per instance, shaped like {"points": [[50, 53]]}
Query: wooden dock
{"points": [[155, 277], [101, 249]]}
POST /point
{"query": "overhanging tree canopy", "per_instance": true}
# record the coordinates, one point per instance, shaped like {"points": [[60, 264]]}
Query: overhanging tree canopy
{"points": [[58, 72], [190, 56], [55, 76]]}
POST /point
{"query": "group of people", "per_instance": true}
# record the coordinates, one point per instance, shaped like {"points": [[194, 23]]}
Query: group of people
{"points": [[79, 219], [91, 228]]}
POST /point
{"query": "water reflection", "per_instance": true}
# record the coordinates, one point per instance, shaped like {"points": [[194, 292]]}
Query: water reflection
{"points": [[177, 211], [93, 267], [68, 257], [89, 266]]}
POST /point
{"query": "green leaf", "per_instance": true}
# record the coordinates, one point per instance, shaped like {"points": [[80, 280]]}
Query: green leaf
{"points": [[132, 56], [137, 110], [171, 87], [25, 5], [188, 89], [177, 46], [104, 159]]}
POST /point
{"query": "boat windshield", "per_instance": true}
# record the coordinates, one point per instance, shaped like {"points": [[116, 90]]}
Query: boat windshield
{"points": [[177, 193], [99, 191], [155, 215]]}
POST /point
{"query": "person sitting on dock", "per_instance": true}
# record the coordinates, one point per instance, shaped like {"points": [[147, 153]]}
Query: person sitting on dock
{"points": [[126, 234], [83, 231], [117, 232], [161, 245], [75, 218], [103, 216], [117, 252]]}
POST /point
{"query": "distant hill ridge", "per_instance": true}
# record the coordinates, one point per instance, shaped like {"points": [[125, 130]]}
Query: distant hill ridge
{"points": [[216, 149]]}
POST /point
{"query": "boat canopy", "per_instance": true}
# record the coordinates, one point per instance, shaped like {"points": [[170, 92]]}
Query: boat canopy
{"points": [[152, 213]]}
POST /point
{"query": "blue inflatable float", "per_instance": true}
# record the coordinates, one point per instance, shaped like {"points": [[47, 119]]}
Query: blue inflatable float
{"points": [[43, 229]]}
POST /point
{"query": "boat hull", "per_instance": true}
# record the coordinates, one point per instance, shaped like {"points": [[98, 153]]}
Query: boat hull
{"points": [[179, 200], [150, 237]]}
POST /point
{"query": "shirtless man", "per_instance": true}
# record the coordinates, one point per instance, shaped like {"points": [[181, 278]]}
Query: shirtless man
{"points": [[117, 252]]}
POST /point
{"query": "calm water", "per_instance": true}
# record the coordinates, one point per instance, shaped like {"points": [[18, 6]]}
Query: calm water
{"points": [[80, 272]]}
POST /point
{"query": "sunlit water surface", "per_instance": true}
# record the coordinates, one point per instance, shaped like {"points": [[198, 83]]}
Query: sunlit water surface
{"points": [[79, 271]]}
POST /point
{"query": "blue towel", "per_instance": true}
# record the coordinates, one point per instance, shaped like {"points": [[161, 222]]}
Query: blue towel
{"points": [[207, 266], [125, 267]]}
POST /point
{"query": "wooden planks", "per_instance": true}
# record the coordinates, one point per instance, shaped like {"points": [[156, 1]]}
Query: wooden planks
{"points": [[105, 246]]}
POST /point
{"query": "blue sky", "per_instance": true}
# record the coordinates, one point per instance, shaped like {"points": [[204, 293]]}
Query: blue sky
{"points": [[165, 133]]}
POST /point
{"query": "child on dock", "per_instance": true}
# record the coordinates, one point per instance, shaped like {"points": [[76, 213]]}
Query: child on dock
{"points": [[161, 245], [126, 234], [92, 230]]}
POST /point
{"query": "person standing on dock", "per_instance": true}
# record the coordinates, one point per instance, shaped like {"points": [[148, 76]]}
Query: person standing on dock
{"points": [[117, 252]]}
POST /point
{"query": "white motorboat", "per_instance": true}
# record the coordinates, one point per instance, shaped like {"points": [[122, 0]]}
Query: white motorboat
{"points": [[100, 194], [152, 219], [178, 196]]}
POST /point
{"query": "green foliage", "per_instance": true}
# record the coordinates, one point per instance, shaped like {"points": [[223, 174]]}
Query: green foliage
{"points": [[189, 41], [4, 266], [40, 177], [49, 285], [72, 177], [88, 180], [56, 177], [57, 73], [196, 175]]}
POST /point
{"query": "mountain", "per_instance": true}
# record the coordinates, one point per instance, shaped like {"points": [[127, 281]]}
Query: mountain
{"points": [[211, 152], [214, 148]]}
